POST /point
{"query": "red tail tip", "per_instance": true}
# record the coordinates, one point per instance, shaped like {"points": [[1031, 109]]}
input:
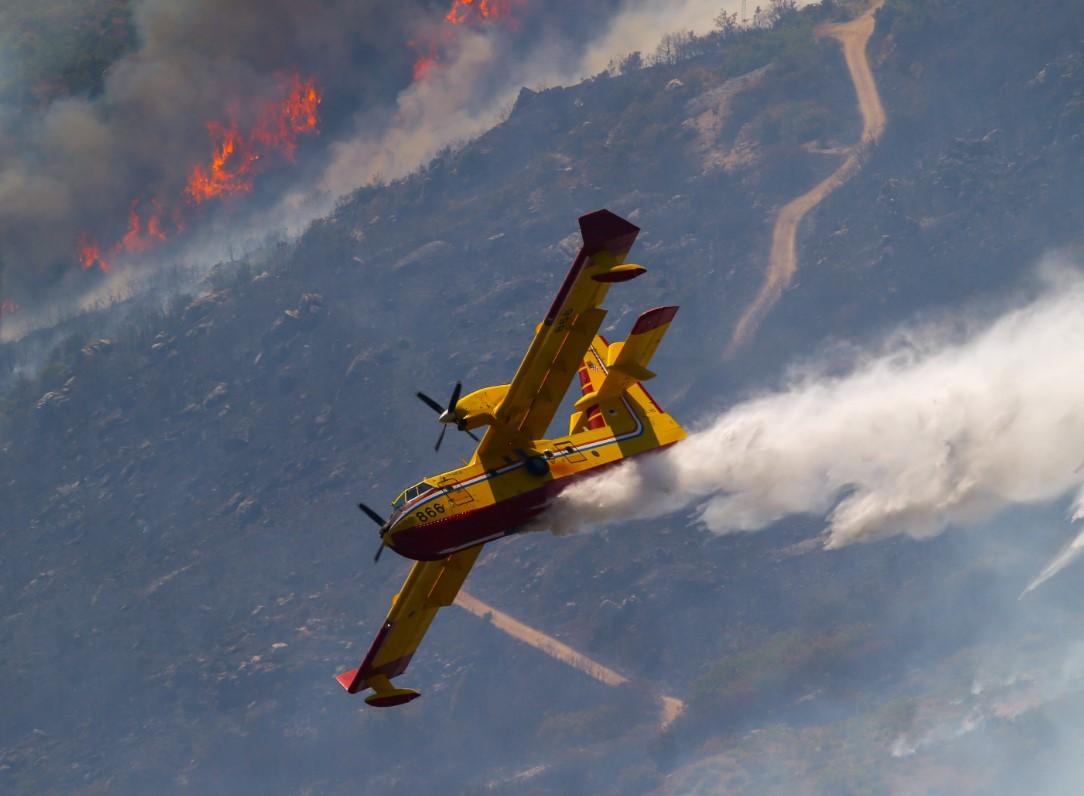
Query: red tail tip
{"points": [[346, 680]]}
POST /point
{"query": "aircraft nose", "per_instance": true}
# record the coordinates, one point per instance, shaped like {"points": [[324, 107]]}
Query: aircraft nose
{"points": [[389, 529]]}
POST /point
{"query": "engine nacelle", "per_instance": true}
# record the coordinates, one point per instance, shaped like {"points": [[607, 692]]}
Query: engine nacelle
{"points": [[479, 408]]}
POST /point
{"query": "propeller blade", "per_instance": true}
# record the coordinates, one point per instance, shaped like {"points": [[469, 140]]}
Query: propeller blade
{"points": [[379, 550], [372, 515], [455, 397], [431, 403], [440, 439], [472, 435]]}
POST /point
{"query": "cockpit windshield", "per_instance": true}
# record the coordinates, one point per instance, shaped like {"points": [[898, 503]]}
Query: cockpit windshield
{"points": [[409, 494]]}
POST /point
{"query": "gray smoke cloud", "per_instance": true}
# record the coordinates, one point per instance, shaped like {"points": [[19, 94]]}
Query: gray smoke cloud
{"points": [[936, 431], [483, 76], [73, 164]]}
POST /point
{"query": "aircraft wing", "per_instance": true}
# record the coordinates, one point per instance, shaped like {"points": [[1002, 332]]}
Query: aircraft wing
{"points": [[430, 586], [565, 334]]}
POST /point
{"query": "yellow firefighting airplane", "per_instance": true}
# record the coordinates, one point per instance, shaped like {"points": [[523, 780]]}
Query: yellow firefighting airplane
{"points": [[443, 522]]}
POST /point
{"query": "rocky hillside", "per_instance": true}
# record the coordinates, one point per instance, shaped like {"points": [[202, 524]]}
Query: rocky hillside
{"points": [[183, 566]]}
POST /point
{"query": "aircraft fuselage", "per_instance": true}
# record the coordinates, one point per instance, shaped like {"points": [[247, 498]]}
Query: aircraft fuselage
{"points": [[479, 503]]}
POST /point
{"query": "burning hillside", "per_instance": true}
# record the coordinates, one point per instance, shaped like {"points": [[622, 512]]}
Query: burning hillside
{"points": [[238, 157], [239, 153], [466, 11], [462, 13], [205, 101]]}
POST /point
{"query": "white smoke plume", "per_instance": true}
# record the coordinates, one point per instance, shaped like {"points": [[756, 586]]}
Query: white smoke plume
{"points": [[430, 114], [936, 431], [75, 164], [72, 164], [463, 100], [642, 23], [1063, 559]]}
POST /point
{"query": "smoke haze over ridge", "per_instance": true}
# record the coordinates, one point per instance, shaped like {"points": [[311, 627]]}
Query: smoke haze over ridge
{"points": [[449, 107], [75, 165], [932, 432]]}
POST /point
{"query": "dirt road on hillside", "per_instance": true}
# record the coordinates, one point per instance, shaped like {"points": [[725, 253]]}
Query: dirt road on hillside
{"points": [[783, 262], [671, 707]]}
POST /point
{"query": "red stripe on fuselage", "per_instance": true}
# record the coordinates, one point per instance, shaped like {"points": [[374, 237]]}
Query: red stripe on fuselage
{"points": [[435, 540], [440, 538]]}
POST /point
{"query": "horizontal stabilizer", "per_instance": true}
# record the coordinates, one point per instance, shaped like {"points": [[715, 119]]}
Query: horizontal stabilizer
{"points": [[384, 695], [626, 362], [399, 696]]}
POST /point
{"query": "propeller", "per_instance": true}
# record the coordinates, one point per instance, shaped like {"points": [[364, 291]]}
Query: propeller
{"points": [[383, 528], [447, 414]]}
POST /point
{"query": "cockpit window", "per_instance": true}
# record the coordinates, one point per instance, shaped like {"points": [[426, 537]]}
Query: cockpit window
{"points": [[410, 494]]}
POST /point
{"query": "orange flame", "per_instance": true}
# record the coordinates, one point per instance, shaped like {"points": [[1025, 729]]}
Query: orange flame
{"points": [[134, 239], [154, 229], [463, 11], [236, 155], [428, 50], [423, 66], [281, 123], [90, 254], [232, 168]]}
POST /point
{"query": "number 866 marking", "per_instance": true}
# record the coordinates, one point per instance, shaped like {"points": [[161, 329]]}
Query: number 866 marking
{"points": [[429, 512]]}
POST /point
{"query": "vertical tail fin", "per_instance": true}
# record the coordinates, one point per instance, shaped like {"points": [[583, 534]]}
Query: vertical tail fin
{"points": [[608, 370]]}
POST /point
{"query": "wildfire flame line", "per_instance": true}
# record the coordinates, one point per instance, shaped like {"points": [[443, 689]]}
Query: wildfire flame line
{"points": [[464, 11], [236, 155], [135, 239], [460, 13], [235, 161], [90, 254]]}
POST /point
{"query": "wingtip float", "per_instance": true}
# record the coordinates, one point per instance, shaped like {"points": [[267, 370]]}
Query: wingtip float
{"points": [[443, 522]]}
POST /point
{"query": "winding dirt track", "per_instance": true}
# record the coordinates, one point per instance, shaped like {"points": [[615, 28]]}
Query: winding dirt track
{"points": [[783, 262], [538, 640], [671, 707], [854, 36]]}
